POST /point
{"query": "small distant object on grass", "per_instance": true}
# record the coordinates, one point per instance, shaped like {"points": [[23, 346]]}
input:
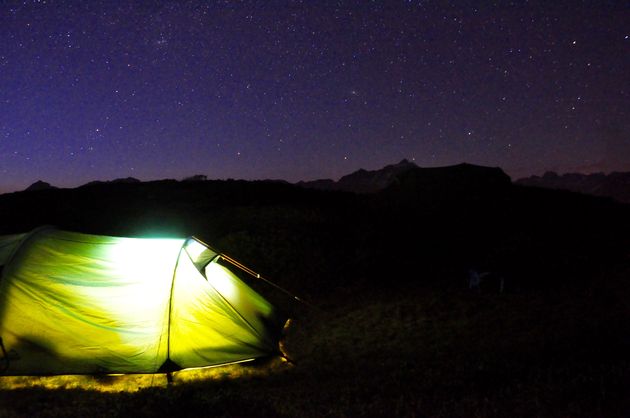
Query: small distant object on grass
{"points": [[487, 280]]}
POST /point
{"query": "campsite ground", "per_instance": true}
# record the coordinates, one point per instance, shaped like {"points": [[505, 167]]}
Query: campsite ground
{"points": [[400, 352], [395, 330]]}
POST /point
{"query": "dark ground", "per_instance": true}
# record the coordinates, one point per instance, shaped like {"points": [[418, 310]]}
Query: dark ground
{"points": [[395, 330]]}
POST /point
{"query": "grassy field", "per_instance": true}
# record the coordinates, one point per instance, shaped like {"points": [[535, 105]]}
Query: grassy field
{"points": [[403, 351]]}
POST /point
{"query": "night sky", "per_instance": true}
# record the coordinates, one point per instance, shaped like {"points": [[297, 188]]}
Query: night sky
{"points": [[305, 90]]}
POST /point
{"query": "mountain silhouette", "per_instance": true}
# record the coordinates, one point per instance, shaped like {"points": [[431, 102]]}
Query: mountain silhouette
{"points": [[39, 185], [394, 175], [126, 180], [363, 181], [615, 185]]}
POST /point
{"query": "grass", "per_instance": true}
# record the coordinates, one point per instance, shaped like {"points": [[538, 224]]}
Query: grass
{"points": [[400, 352]]}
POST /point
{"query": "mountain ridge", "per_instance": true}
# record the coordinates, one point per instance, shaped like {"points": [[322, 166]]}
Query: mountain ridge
{"points": [[372, 181], [615, 185], [361, 180]]}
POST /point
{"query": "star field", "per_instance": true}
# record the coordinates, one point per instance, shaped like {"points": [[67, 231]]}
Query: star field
{"points": [[306, 90]]}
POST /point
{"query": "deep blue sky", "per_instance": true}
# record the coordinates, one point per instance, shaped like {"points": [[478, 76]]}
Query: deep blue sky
{"points": [[304, 90]]}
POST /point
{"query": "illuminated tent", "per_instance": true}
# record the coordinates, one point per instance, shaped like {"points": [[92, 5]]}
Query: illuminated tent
{"points": [[72, 303]]}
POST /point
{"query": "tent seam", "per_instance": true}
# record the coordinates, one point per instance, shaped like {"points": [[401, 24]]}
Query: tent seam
{"points": [[170, 309]]}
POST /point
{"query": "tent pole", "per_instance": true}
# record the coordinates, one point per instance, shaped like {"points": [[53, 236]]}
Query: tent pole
{"points": [[258, 276], [253, 273], [169, 376]]}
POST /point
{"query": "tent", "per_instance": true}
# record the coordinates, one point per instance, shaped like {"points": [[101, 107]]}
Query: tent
{"points": [[72, 303]]}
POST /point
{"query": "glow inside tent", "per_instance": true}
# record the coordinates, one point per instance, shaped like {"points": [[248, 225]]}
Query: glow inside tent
{"points": [[73, 303]]}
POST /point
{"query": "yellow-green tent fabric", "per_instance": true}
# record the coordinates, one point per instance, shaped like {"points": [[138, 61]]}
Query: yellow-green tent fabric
{"points": [[73, 303]]}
